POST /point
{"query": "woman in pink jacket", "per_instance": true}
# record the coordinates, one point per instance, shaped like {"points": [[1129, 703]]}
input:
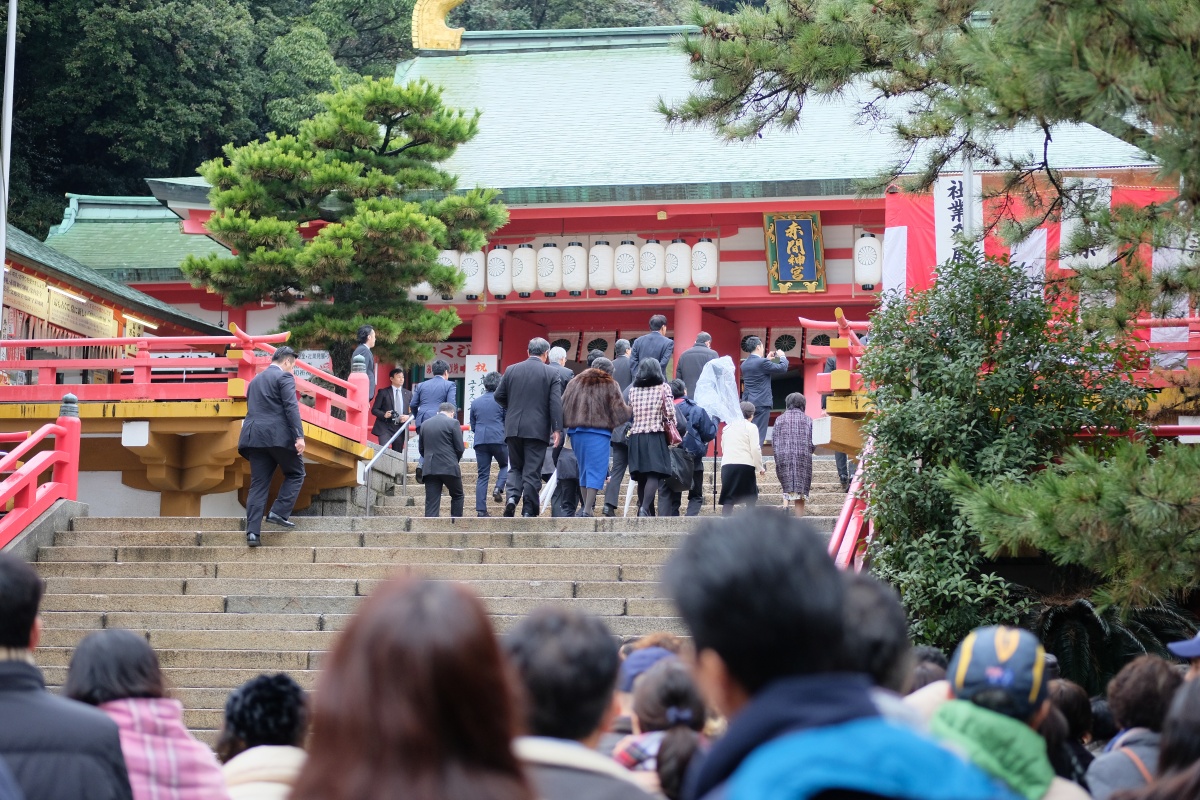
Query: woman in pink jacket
{"points": [[117, 671]]}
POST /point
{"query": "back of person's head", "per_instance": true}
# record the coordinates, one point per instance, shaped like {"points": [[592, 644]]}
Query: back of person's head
{"points": [[678, 388], [1140, 694], [666, 699], [747, 409], [557, 354], [20, 595], [1179, 747], [649, 373], [658, 322], [664, 639], [491, 381], [538, 346], [1000, 668], [267, 710], [567, 664], [593, 355], [413, 700], [112, 665], [703, 338], [440, 367], [795, 400], [447, 408], [364, 333], [603, 364], [1104, 727], [750, 344], [638, 663], [1055, 731], [877, 640], [1072, 700], [621, 347], [928, 653], [925, 673], [282, 354], [762, 593]]}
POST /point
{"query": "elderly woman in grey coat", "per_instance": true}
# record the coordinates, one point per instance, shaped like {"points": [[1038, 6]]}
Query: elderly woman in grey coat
{"points": [[792, 444]]}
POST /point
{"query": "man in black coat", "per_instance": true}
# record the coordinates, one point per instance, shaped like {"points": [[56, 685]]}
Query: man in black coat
{"points": [[653, 346], [366, 340], [692, 361], [391, 409], [531, 394], [621, 371], [441, 443], [272, 437], [756, 381], [57, 749]]}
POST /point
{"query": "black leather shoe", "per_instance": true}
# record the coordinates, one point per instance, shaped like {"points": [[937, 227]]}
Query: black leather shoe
{"points": [[420, 475], [644, 513], [497, 496], [252, 540], [482, 514], [510, 508], [528, 516], [610, 511], [275, 519]]}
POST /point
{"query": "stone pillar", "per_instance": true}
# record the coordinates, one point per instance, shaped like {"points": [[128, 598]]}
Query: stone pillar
{"points": [[687, 325]]}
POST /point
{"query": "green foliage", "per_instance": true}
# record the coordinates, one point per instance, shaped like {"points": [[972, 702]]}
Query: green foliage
{"points": [[955, 78], [981, 371], [486, 15], [353, 166]]}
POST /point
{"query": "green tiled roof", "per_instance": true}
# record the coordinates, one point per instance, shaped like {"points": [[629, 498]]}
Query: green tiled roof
{"points": [[23, 246], [128, 239]]}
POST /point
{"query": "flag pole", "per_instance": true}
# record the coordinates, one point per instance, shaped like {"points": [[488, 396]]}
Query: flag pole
{"points": [[10, 63]]}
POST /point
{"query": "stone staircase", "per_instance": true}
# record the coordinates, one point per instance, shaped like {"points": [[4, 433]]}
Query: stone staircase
{"points": [[219, 613]]}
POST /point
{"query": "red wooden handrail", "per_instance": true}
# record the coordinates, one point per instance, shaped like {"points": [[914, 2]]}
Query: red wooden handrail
{"points": [[23, 487]]}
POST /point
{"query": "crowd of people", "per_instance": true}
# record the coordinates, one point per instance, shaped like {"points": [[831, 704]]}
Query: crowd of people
{"points": [[794, 681]]}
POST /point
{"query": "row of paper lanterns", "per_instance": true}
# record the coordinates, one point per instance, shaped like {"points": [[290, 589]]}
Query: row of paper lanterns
{"points": [[576, 268]]}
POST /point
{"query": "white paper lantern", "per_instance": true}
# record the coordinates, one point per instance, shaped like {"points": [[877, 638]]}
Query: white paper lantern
{"points": [[600, 267], [868, 261], [625, 262], [446, 258], [524, 270], [704, 264], [474, 271], [575, 268], [654, 266], [679, 265], [549, 269], [449, 258], [499, 271]]}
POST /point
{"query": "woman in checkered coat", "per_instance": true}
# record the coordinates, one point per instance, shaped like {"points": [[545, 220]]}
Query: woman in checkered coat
{"points": [[653, 423], [791, 442]]}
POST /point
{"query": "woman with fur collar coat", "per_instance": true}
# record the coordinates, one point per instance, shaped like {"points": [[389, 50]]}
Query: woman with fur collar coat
{"points": [[592, 407]]}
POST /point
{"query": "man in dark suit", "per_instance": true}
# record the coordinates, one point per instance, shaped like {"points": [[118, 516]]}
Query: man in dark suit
{"points": [[654, 345], [366, 340], [391, 410], [428, 396], [441, 443], [692, 361], [272, 437], [756, 381], [621, 371], [487, 423], [531, 394]]}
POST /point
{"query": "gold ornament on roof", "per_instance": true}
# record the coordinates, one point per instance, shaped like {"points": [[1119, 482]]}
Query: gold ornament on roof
{"points": [[429, 29]]}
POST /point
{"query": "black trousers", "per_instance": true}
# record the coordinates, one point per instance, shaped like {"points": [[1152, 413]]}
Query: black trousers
{"points": [[399, 444], [525, 457], [669, 502], [565, 499], [433, 494], [616, 475], [263, 463], [762, 418]]}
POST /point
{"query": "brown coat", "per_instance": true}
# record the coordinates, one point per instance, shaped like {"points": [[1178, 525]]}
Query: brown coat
{"points": [[593, 400]]}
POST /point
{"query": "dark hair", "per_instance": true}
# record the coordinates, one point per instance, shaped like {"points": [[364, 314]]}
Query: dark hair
{"points": [[621, 347], [364, 333], [927, 653], [678, 388], [567, 663], [538, 346], [703, 338], [20, 595], [491, 381], [1141, 692], [925, 673], [747, 409], [795, 400], [282, 354], [444, 408], [657, 322], [761, 592], [414, 700], [1055, 731], [604, 365], [876, 632], [1104, 727], [439, 367], [666, 699], [396, 371], [649, 373], [750, 344], [593, 355], [1072, 700], [111, 665], [267, 710], [1180, 744]]}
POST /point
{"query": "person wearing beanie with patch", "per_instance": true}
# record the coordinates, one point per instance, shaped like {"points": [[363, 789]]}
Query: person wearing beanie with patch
{"points": [[266, 720], [999, 696]]}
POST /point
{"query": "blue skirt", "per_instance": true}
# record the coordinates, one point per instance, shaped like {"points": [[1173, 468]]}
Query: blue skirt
{"points": [[591, 446]]}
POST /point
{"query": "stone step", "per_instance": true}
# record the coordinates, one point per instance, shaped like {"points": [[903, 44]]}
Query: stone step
{"points": [[190, 679]]}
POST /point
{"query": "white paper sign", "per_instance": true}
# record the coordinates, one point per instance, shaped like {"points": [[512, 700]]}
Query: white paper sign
{"points": [[476, 368], [950, 214]]}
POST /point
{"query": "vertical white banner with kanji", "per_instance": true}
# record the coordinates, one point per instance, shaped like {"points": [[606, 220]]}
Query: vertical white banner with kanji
{"points": [[476, 368], [950, 214]]}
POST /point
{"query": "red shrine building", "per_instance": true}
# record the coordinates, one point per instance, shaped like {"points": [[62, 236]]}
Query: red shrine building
{"points": [[616, 217]]}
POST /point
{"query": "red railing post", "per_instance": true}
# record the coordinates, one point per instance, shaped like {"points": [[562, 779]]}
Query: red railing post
{"points": [[358, 414], [66, 472]]}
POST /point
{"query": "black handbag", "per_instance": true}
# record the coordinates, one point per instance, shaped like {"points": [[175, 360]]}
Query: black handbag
{"points": [[682, 465]]}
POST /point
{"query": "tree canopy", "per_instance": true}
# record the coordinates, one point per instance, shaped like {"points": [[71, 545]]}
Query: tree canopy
{"points": [[353, 171]]}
